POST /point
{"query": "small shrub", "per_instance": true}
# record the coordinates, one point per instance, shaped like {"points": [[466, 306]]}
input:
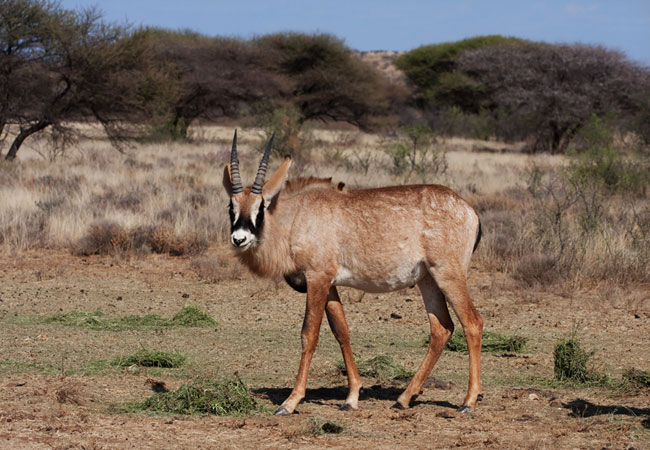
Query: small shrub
{"points": [[103, 238], [491, 342], [109, 238], [589, 219], [318, 425], [166, 129], [597, 164], [151, 358], [229, 398], [636, 377], [537, 269], [164, 240], [291, 136], [192, 316], [571, 362], [414, 155]]}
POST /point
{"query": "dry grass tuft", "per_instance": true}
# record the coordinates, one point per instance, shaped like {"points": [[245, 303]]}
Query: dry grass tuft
{"points": [[228, 398], [110, 238], [572, 363], [103, 238], [317, 426], [545, 228], [68, 394], [150, 358], [217, 267]]}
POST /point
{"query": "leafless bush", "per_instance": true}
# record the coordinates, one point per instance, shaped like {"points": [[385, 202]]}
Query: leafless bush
{"points": [[109, 238], [537, 270], [164, 240], [588, 225], [103, 238], [414, 155], [548, 92]]}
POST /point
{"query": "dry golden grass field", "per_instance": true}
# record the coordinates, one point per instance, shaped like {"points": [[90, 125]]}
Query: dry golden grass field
{"points": [[100, 249]]}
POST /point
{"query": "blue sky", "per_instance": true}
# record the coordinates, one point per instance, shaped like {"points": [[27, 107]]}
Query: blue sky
{"points": [[403, 24]]}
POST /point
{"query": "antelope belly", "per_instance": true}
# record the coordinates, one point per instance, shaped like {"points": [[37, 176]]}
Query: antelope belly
{"points": [[398, 278]]}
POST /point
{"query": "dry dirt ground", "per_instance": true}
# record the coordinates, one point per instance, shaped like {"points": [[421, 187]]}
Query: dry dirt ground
{"points": [[50, 398]]}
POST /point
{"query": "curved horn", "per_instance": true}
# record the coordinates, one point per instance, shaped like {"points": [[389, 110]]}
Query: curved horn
{"points": [[261, 172], [235, 178]]}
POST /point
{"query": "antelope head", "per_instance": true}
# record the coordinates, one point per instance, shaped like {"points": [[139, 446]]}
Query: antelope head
{"points": [[247, 206]]}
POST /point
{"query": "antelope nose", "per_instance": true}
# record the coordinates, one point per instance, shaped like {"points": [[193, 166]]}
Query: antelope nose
{"points": [[238, 242]]}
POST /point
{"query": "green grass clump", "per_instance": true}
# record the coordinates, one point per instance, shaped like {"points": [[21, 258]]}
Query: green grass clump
{"points": [[192, 316], [229, 398], [571, 363], [381, 367], [98, 320], [318, 425], [189, 316], [636, 377], [490, 343], [151, 358]]}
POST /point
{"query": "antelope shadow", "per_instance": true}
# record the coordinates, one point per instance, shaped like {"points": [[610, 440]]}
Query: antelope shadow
{"points": [[585, 408], [321, 395]]}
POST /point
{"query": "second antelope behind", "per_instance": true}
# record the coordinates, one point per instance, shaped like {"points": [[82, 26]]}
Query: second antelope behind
{"points": [[319, 236]]}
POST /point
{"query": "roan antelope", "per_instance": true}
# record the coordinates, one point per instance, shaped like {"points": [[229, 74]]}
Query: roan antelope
{"points": [[318, 236]]}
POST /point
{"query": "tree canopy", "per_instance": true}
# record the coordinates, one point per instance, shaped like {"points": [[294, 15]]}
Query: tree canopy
{"points": [[538, 92], [59, 66]]}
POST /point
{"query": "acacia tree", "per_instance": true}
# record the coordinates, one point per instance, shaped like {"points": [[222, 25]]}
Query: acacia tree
{"points": [[76, 68], [23, 25], [549, 92], [433, 72], [328, 82], [209, 77]]}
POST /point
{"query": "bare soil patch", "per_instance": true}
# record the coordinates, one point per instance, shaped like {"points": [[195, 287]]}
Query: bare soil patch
{"points": [[52, 396]]}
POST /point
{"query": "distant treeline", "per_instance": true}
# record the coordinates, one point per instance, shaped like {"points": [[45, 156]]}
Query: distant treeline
{"points": [[59, 66]]}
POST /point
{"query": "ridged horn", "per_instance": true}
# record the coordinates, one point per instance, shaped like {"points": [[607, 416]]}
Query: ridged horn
{"points": [[261, 172], [235, 178]]}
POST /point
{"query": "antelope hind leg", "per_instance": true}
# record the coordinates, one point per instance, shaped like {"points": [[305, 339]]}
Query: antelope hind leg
{"points": [[454, 286], [441, 328]]}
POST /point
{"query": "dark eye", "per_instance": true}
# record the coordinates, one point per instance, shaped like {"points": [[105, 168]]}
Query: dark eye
{"points": [[260, 217]]}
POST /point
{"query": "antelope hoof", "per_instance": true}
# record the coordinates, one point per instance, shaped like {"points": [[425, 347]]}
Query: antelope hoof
{"points": [[479, 398], [347, 407], [464, 409], [282, 411], [398, 405]]}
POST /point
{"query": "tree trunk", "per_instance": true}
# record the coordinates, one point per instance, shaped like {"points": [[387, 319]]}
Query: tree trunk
{"points": [[179, 127], [24, 134], [3, 123]]}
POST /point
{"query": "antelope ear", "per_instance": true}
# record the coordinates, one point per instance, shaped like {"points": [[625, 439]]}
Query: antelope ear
{"points": [[227, 180], [276, 182]]}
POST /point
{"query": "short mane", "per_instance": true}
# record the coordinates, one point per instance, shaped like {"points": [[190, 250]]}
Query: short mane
{"points": [[302, 184]]}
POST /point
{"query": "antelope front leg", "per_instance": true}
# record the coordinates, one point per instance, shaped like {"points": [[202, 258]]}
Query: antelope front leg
{"points": [[339, 326], [316, 300]]}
